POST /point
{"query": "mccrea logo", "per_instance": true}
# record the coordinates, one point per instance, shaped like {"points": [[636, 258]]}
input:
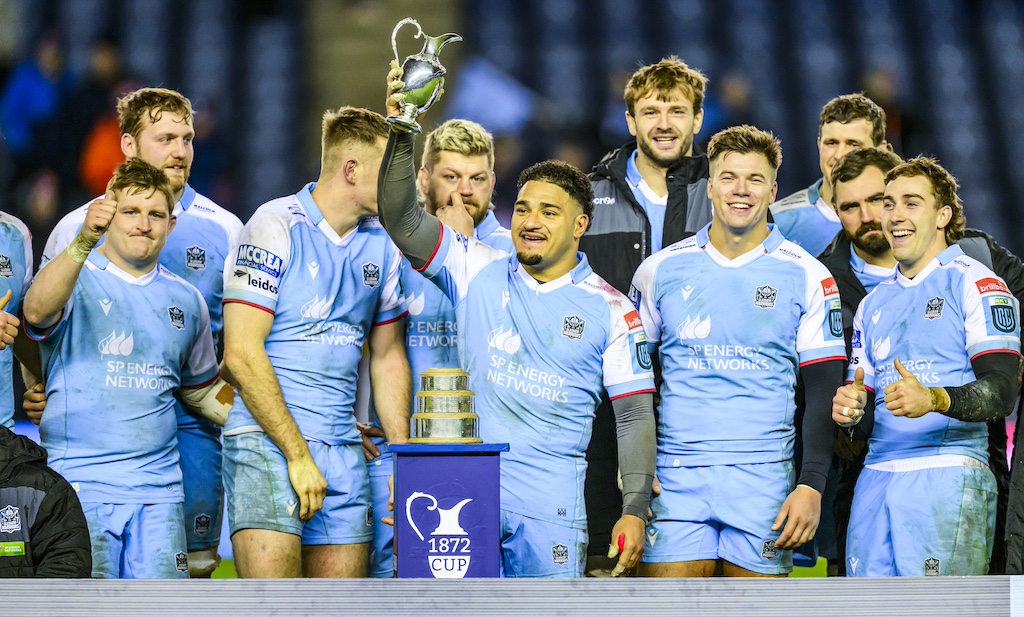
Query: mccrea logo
{"points": [[177, 317], [1004, 317], [254, 257], [933, 308], [202, 524], [764, 297], [768, 550], [195, 257], [371, 274], [560, 554], [572, 327], [855, 341], [931, 567], [10, 520], [181, 562], [6, 269], [449, 546]]}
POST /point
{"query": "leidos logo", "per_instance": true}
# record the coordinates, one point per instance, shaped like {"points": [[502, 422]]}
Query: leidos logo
{"points": [[117, 344], [449, 545]]}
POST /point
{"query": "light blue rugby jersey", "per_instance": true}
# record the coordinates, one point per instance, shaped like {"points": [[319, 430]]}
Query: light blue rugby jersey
{"points": [[203, 238], [539, 356], [336, 289], [15, 275], [431, 336], [111, 364], [805, 219], [936, 323], [731, 336]]}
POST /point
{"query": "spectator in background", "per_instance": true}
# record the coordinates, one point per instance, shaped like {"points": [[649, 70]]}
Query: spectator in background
{"points": [[43, 532], [30, 101]]}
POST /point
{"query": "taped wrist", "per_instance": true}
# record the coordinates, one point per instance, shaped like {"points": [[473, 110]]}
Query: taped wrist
{"points": [[79, 249], [213, 402]]}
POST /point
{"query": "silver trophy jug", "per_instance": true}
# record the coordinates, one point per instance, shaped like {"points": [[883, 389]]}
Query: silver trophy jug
{"points": [[423, 76]]}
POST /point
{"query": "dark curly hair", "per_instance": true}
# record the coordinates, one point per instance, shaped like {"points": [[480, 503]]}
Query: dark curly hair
{"points": [[566, 177]]}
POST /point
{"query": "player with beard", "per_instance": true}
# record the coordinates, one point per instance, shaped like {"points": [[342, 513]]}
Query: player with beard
{"points": [[647, 194], [456, 180], [157, 127], [847, 122], [860, 258]]}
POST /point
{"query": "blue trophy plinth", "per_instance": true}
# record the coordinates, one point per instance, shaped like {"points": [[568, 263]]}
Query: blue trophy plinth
{"points": [[447, 509]]}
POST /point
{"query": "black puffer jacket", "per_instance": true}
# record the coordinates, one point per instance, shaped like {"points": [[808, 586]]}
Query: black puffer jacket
{"points": [[619, 238], [43, 532]]}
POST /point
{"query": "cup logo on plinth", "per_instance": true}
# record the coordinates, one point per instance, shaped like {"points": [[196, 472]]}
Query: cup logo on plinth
{"points": [[448, 556]]}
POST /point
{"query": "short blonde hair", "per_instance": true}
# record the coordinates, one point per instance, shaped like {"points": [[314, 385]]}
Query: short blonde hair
{"points": [[745, 139], [350, 125], [140, 176], [460, 136], [150, 104], [662, 78]]}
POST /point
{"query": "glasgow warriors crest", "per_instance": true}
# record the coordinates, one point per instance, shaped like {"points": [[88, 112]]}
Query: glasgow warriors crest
{"points": [[195, 257], [572, 327], [371, 274], [765, 296]]}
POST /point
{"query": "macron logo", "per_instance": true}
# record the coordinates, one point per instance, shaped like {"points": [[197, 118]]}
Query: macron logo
{"points": [[105, 304], [314, 268], [686, 292], [652, 537]]}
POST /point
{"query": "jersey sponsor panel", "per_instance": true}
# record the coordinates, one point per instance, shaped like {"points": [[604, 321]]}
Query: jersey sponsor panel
{"points": [[934, 324], [731, 335], [328, 292], [117, 335], [540, 356]]}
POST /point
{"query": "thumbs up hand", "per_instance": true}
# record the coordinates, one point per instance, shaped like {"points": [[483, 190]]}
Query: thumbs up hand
{"points": [[849, 401], [907, 397]]}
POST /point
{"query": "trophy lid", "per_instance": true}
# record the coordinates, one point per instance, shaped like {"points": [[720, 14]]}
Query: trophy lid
{"points": [[445, 372]]}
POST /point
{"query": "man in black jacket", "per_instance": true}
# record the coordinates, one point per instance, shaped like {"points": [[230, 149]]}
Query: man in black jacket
{"points": [[859, 258], [43, 532], [648, 194]]}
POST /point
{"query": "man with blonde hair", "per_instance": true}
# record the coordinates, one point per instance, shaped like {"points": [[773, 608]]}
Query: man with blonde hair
{"points": [[313, 278], [455, 183], [119, 335], [157, 127], [736, 312]]}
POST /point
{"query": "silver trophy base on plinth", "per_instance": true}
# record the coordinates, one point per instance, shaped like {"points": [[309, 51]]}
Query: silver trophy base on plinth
{"points": [[444, 409]]}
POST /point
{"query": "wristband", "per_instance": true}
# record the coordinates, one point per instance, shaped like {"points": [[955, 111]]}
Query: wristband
{"points": [[79, 249]]}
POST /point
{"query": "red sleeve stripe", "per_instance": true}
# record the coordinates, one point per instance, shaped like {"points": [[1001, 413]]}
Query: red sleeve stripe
{"points": [[985, 353], [262, 308], [828, 359], [49, 330], [647, 391], [392, 320], [437, 247], [204, 384]]}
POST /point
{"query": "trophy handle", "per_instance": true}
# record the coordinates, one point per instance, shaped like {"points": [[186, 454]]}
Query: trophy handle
{"points": [[394, 33], [408, 509]]}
